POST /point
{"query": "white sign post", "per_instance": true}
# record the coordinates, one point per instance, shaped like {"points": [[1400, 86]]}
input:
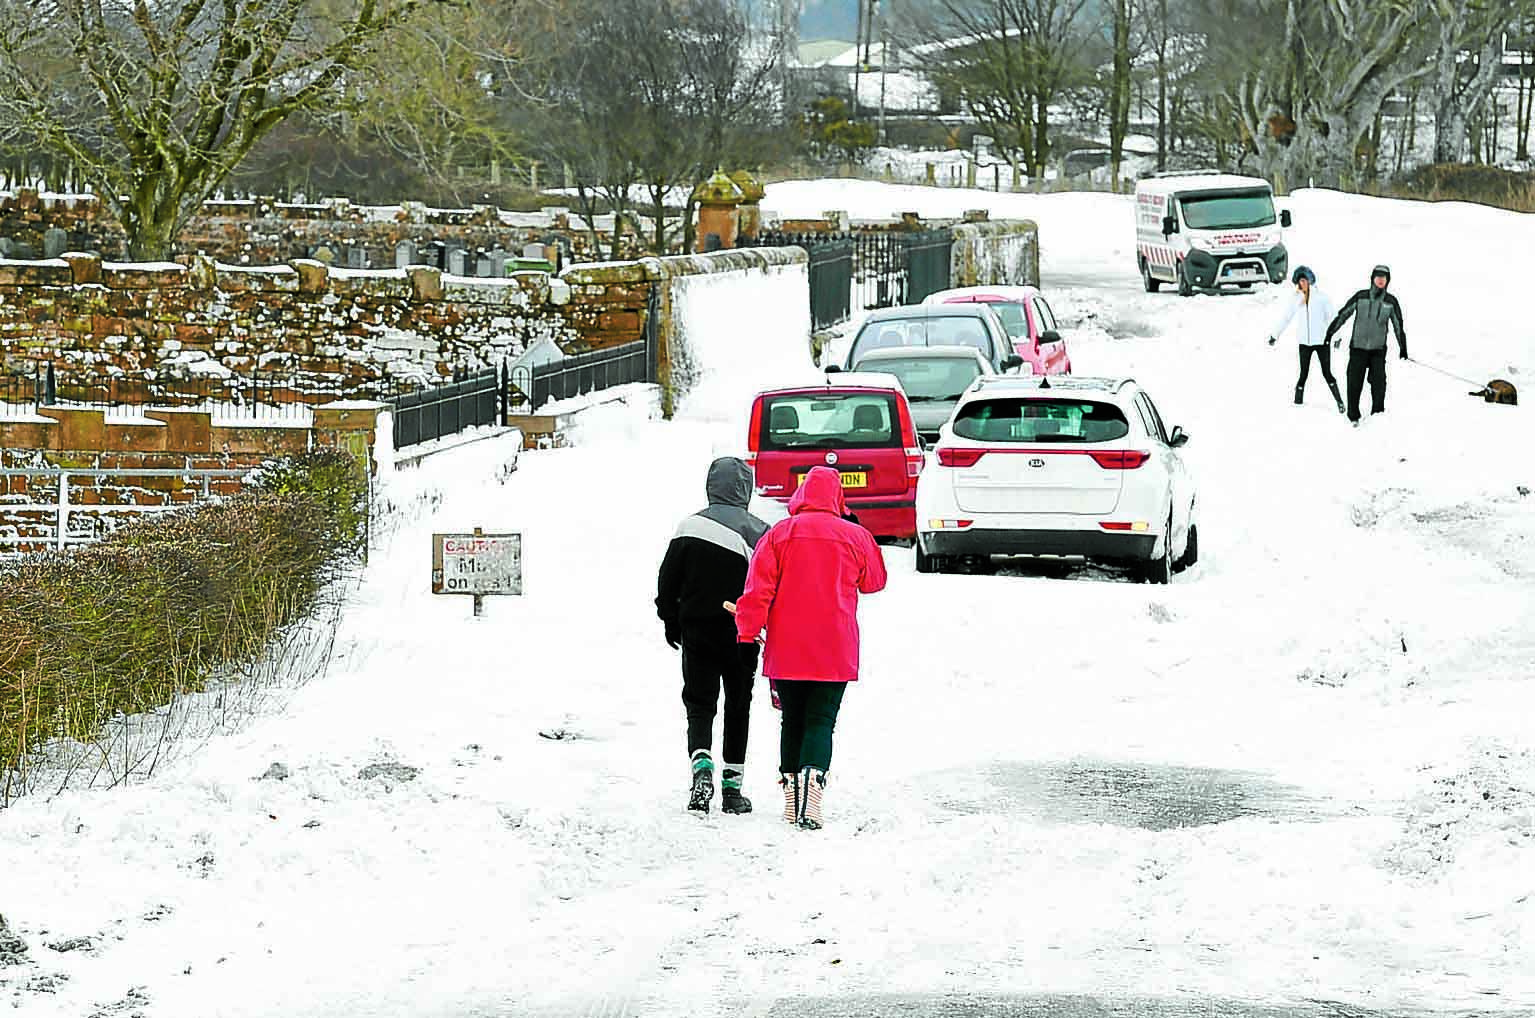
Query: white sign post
{"points": [[477, 564]]}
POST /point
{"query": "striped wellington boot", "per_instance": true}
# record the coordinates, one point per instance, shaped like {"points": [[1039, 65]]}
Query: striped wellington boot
{"points": [[811, 783], [790, 783]]}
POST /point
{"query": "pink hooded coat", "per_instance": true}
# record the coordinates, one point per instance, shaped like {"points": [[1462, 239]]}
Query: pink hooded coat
{"points": [[804, 582]]}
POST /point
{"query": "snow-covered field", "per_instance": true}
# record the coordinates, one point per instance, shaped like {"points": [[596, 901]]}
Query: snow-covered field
{"points": [[1302, 772]]}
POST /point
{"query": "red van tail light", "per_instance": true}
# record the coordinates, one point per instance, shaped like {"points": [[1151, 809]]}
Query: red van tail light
{"points": [[960, 457], [914, 460], [754, 433], [908, 426], [1120, 459]]}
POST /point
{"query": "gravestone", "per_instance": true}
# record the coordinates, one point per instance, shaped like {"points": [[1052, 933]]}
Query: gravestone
{"points": [[458, 261], [436, 255], [498, 256], [356, 257], [323, 254], [405, 254], [7, 246], [484, 265], [55, 242], [24, 251], [534, 251]]}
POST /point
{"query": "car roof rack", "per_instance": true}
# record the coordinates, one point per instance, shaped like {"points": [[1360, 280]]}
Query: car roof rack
{"points": [[1186, 173]]}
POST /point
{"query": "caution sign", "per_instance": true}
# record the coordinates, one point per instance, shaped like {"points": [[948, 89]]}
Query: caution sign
{"points": [[478, 564]]}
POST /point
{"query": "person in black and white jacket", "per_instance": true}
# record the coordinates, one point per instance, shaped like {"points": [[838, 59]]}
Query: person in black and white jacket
{"points": [[1373, 311], [1315, 314], [705, 566]]}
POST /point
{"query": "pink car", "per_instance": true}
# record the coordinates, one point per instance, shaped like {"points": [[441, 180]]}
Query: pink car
{"points": [[1028, 319]]}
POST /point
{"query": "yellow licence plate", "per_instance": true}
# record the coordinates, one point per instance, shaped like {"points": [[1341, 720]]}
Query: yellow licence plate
{"points": [[850, 479]]}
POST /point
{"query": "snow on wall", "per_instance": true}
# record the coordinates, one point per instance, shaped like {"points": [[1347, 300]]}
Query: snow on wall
{"points": [[995, 254], [739, 326]]}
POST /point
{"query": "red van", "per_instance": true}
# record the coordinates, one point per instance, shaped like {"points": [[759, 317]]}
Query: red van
{"points": [[859, 423]]}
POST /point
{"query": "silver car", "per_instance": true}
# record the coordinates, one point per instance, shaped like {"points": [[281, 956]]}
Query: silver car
{"points": [[972, 325], [934, 378]]}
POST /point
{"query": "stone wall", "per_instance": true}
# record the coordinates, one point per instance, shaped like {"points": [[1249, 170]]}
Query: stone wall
{"points": [[1005, 252], [266, 231], [331, 331]]}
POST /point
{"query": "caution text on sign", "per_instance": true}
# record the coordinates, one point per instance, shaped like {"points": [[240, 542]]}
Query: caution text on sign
{"points": [[477, 564]]}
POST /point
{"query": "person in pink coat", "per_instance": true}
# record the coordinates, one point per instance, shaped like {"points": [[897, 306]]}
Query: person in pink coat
{"points": [[803, 586]]}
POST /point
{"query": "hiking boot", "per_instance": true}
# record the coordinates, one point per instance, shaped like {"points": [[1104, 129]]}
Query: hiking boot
{"points": [[1300, 395], [731, 799], [703, 782], [812, 781]]}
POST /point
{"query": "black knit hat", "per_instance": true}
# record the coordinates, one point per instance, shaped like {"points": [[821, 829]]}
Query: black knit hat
{"points": [[1381, 270]]}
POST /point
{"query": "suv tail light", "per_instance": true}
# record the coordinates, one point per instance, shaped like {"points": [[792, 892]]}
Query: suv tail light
{"points": [[960, 457], [1120, 459]]}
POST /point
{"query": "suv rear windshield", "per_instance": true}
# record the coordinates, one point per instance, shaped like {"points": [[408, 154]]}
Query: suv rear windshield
{"points": [[830, 420], [955, 331], [1040, 420], [927, 379]]}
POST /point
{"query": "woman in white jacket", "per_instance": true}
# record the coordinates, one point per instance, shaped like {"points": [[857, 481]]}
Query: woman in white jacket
{"points": [[1312, 313]]}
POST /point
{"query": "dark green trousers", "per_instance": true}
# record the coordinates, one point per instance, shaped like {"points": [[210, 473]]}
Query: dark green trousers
{"points": [[809, 715]]}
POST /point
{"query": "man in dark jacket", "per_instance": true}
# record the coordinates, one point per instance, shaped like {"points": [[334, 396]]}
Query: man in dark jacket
{"points": [[1372, 309], [705, 566]]}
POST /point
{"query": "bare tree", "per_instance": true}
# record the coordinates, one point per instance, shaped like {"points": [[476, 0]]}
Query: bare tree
{"points": [[155, 104], [1007, 61], [649, 96], [1461, 87], [1119, 88]]}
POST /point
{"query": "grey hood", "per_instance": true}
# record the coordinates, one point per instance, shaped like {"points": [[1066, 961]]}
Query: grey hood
{"points": [[729, 483], [729, 488]]}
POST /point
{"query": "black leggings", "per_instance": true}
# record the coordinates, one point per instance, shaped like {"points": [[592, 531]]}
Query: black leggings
{"points": [[809, 715], [706, 666], [1324, 358]]}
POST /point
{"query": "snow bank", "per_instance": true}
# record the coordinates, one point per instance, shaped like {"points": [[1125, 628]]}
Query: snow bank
{"points": [[738, 332]]}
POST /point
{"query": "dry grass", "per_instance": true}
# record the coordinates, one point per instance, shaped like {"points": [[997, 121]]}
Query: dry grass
{"points": [[1483, 185], [165, 607]]}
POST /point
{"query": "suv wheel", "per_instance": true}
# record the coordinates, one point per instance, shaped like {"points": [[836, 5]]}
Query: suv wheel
{"points": [[927, 563], [1151, 285], [1190, 548], [1160, 568]]}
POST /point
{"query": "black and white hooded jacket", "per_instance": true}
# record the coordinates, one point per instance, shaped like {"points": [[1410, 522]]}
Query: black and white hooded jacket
{"points": [[705, 564]]}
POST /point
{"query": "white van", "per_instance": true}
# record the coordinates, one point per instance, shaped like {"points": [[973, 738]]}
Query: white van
{"points": [[1206, 230]]}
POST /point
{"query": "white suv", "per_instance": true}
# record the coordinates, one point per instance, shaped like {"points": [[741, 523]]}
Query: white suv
{"points": [[1058, 466]]}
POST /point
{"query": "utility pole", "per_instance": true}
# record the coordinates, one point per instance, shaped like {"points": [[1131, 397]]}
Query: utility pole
{"points": [[884, 62]]}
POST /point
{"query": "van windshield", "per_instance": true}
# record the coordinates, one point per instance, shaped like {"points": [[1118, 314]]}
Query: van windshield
{"points": [[830, 420], [1228, 211]]}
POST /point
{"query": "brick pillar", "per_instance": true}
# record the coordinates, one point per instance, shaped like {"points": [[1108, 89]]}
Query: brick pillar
{"points": [[719, 203], [351, 425], [752, 193]]}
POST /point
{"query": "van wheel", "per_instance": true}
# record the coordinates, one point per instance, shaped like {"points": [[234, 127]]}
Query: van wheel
{"points": [[1185, 288], [1151, 285]]}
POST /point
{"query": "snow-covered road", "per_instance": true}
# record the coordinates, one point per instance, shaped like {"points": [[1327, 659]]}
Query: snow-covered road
{"points": [[1303, 771]]}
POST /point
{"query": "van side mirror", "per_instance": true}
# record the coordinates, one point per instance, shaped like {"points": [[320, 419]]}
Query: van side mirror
{"points": [[1284, 219], [1049, 336], [1012, 362], [1179, 438], [1169, 225], [832, 369]]}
